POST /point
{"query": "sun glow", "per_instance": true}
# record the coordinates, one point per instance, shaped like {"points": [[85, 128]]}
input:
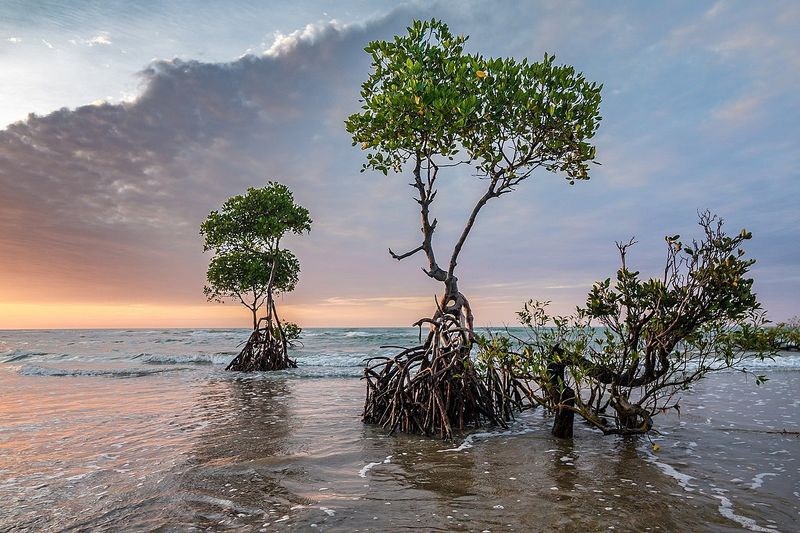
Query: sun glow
{"points": [[93, 315], [384, 312]]}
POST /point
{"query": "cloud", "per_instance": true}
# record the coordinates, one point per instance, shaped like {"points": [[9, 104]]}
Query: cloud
{"points": [[101, 38], [739, 112], [286, 45], [111, 192], [102, 203]]}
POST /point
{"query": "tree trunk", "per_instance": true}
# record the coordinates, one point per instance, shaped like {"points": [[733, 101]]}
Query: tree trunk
{"points": [[631, 417], [562, 398], [435, 388], [564, 419]]}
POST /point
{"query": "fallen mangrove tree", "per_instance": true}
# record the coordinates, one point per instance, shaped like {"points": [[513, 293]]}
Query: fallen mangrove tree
{"points": [[627, 355]]}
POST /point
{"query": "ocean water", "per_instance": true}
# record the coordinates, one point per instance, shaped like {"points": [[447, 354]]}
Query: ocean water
{"points": [[143, 430]]}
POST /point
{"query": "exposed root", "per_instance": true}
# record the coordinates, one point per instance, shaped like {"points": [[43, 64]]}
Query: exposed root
{"points": [[435, 388], [265, 350]]}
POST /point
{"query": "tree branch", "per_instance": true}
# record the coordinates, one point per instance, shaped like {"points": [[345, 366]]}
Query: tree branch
{"points": [[407, 254], [490, 193]]}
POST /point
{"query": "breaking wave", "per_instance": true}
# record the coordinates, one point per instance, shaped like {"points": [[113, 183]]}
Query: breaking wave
{"points": [[18, 355], [196, 359], [35, 370]]}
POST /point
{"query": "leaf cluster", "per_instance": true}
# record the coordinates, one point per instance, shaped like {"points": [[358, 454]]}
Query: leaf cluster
{"points": [[245, 236], [235, 273], [426, 97], [256, 220]]}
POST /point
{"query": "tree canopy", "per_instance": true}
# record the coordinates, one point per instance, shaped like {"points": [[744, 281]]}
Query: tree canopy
{"points": [[428, 104], [248, 263], [255, 221], [426, 97]]}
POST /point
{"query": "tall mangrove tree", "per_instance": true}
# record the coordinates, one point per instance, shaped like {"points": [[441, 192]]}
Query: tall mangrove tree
{"points": [[429, 106]]}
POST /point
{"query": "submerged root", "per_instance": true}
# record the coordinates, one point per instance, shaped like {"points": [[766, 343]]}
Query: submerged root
{"points": [[265, 350], [435, 388]]}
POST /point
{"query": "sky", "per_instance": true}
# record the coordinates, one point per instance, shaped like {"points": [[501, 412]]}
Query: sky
{"points": [[123, 124]]}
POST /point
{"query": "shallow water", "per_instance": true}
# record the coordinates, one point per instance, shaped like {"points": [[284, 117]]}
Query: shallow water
{"points": [[150, 433]]}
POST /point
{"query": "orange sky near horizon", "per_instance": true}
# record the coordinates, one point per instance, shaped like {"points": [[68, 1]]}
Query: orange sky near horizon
{"points": [[210, 315], [332, 312]]}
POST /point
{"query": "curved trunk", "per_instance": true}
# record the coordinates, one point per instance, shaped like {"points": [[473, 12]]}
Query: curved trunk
{"points": [[631, 417], [454, 303]]}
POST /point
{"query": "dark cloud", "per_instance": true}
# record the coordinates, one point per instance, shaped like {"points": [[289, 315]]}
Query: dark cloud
{"points": [[122, 188]]}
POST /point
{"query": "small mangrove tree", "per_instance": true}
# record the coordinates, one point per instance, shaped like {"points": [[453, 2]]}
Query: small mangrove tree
{"points": [[249, 266], [785, 336], [629, 352]]}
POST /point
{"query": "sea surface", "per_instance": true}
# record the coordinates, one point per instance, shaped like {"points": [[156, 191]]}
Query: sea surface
{"points": [[141, 430]]}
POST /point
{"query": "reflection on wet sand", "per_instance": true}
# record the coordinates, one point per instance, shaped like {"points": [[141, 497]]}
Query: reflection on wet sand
{"points": [[234, 474]]}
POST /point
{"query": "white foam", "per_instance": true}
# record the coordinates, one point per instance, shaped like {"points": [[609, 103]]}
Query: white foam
{"points": [[32, 370], [758, 479], [682, 479], [726, 510], [196, 359], [470, 439], [359, 334], [370, 466]]}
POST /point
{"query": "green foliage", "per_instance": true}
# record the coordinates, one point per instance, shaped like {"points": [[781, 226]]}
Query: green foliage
{"points": [[235, 273], [426, 97], [245, 235], [292, 332], [638, 342], [255, 221], [704, 282], [785, 335]]}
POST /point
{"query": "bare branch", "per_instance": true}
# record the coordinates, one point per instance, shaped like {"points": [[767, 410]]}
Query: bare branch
{"points": [[407, 254]]}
